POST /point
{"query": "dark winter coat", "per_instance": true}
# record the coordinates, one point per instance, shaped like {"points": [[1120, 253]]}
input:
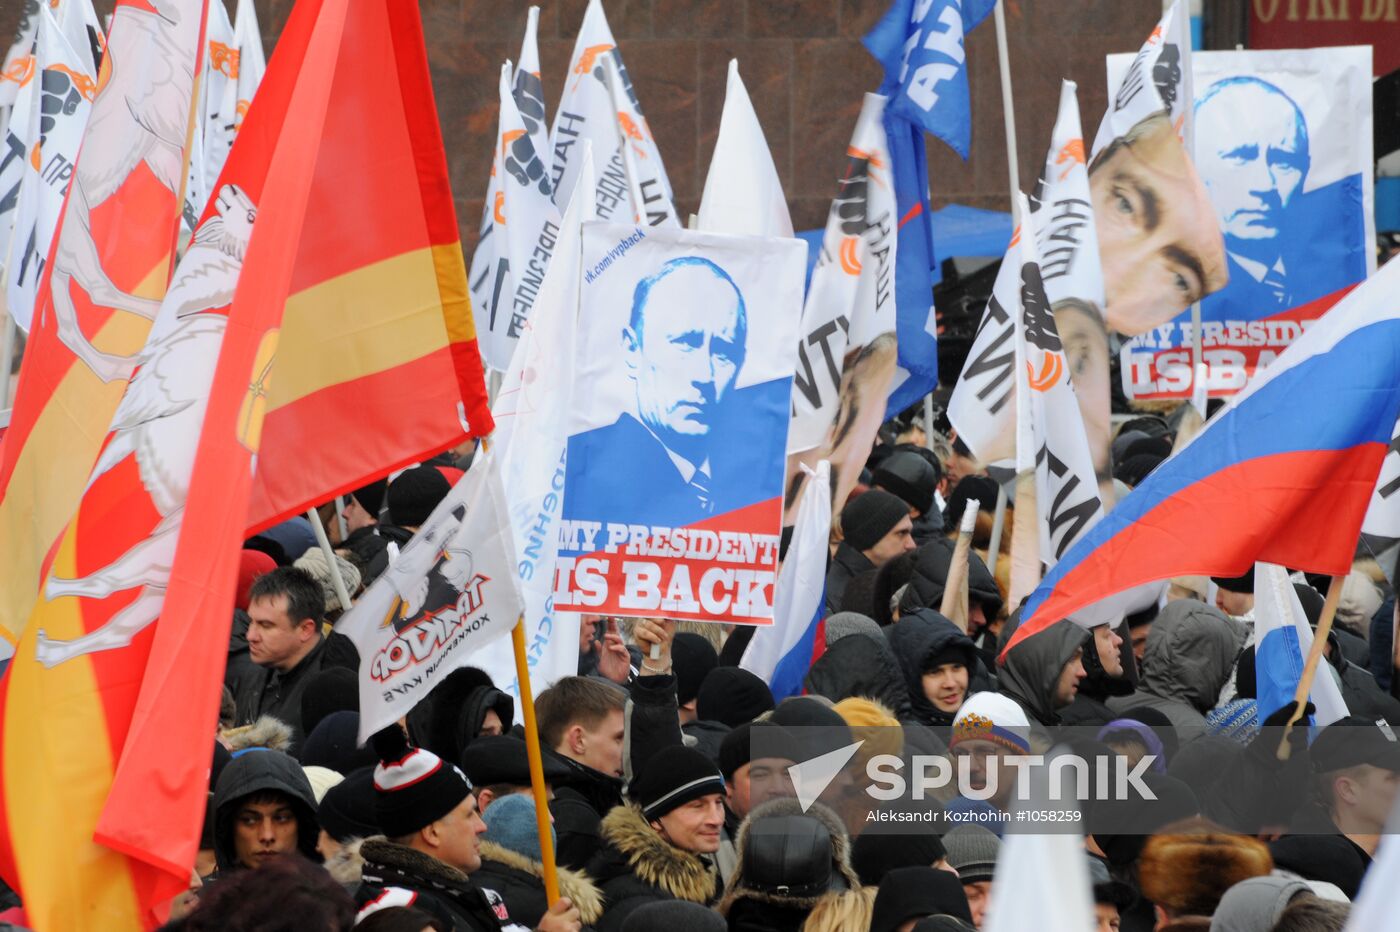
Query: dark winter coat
{"points": [[450, 716], [259, 691], [846, 564], [1090, 705], [580, 801], [256, 771], [438, 889], [520, 882], [636, 866], [930, 578], [860, 666], [918, 637]]}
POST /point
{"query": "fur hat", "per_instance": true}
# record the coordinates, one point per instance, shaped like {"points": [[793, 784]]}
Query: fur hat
{"points": [[757, 881], [314, 562], [1188, 866]]}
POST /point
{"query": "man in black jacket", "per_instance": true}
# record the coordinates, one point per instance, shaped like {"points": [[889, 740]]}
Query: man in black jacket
{"points": [[285, 648], [428, 812], [875, 528], [263, 807]]}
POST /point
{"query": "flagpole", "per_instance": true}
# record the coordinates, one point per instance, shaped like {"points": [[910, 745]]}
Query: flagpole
{"points": [[998, 523], [954, 605], [7, 359], [536, 758], [1008, 110], [332, 563], [1324, 628]]}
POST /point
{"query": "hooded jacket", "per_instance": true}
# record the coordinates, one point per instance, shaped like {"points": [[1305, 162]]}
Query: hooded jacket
{"points": [[447, 720], [437, 888], [1032, 668], [858, 665], [918, 637], [637, 866], [930, 577], [520, 882], [255, 771], [1189, 656], [749, 908], [1090, 705]]}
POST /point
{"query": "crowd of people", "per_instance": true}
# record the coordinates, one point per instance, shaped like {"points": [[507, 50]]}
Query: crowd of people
{"points": [[667, 765]]}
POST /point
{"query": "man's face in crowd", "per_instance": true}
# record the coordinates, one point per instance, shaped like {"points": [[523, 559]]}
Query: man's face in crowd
{"points": [[1139, 635], [984, 766], [1235, 604], [1067, 686], [1106, 917], [1368, 793], [1158, 240], [757, 782], [491, 725], [979, 897], [458, 836], [946, 686], [1253, 168], [274, 640], [1107, 642], [900, 539], [601, 747], [685, 364], [355, 515], [263, 830], [695, 826]]}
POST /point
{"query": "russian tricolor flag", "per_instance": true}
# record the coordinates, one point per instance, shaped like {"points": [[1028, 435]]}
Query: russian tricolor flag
{"points": [[1282, 639], [1282, 475], [782, 653]]}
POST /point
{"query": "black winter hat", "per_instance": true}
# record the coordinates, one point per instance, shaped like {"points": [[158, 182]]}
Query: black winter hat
{"points": [[876, 854], [414, 494], [788, 856], [348, 809], [673, 777], [982, 488], [332, 689], [413, 787], [335, 744], [1136, 468], [504, 759], [914, 892], [692, 658], [870, 516], [732, 695], [767, 739], [674, 916], [1242, 584], [1352, 741], [371, 497], [908, 475]]}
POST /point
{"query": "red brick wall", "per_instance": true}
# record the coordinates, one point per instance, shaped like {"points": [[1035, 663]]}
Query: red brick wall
{"points": [[804, 67]]}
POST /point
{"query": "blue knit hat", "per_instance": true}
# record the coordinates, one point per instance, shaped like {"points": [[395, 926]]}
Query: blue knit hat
{"points": [[510, 823]]}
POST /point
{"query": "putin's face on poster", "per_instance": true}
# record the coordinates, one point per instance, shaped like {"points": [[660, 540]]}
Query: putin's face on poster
{"points": [[1252, 167], [685, 365], [1158, 239]]}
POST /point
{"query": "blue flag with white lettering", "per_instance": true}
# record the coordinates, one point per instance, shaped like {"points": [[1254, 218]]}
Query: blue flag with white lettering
{"points": [[920, 44], [913, 267]]}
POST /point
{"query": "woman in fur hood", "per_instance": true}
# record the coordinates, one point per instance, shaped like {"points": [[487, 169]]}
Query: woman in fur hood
{"points": [[659, 847], [788, 861]]}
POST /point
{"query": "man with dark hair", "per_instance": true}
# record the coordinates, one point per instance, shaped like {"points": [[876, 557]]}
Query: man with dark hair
{"points": [[285, 648], [679, 445], [427, 810], [263, 807], [581, 721]]}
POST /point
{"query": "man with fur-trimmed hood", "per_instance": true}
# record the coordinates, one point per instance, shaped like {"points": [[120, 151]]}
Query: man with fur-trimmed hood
{"points": [[659, 846], [788, 861]]}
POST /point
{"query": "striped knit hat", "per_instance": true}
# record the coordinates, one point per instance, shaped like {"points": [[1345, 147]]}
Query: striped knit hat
{"points": [[992, 717], [673, 777], [412, 787]]}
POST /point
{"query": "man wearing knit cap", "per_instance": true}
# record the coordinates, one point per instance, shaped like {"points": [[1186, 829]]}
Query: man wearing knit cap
{"points": [[989, 727], [657, 847], [754, 759], [913, 475], [427, 811], [733, 696], [875, 528], [972, 852]]}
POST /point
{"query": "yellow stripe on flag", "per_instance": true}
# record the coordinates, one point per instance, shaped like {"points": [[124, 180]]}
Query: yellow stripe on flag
{"points": [[57, 770], [369, 320], [48, 480], [452, 286]]}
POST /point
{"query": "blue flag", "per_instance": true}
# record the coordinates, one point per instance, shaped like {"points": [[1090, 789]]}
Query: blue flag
{"points": [[920, 45], [913, 268]]}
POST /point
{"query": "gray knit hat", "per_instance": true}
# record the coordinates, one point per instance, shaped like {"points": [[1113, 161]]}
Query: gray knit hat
{"points": [[972, 851], [844, 624]]}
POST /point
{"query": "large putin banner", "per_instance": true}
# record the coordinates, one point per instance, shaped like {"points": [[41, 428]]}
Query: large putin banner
{"points": [[674, 469]]}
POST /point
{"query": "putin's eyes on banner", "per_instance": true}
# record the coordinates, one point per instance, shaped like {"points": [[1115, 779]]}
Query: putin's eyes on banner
{"points": [[673, 485], [1283, 145]]}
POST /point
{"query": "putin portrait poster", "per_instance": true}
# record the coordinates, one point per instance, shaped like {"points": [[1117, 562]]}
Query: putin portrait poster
{"points": [[1283, 145], [674, 469]]}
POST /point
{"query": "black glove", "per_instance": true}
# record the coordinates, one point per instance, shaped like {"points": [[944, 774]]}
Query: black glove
{"points": [[1264, 748]]}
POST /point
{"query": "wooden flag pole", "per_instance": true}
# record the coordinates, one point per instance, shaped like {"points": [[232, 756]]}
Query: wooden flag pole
{"points": [[332, 563], [1324, 628], [532, 748], [998, 524], [954, 605]]}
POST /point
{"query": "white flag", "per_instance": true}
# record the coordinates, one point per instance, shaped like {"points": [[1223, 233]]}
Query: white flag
{"points": [[743, 195], [1159, 78], [531, 413], [212, 131], [1050, 429], [20, 131], [78, 22], [450, 592], [1374, 908], [66, 90], [982, 408], [13, 68], [851, 298], [248, 63], [529, 88]]}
